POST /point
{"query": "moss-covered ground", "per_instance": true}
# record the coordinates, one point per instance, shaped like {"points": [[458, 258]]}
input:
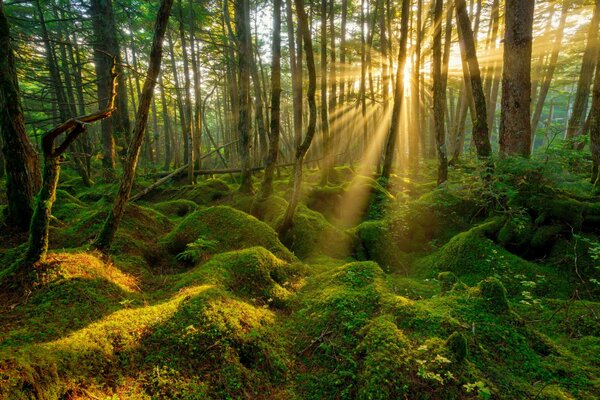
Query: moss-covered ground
{"points": [[480, 289]]}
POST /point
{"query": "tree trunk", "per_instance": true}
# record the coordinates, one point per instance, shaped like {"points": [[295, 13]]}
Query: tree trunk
{"points": [[188, 132], [392, 137], [302, 149], [515, 121], [242, 30], [324, 106], [594, 119], [113, 219], [541, 98], [267, 185], [439, 93], [22, 166], [586, 74], [473, 75]]}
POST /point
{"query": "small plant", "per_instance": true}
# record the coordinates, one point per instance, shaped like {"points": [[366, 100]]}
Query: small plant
{"points": [[197, 251], [479, 388]]}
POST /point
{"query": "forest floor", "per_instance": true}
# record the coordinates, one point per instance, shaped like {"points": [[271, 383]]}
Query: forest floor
{"points": [[480, 289]]}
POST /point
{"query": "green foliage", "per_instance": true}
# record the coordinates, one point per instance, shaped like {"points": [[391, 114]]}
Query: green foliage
{"points": [[457, 345], [231, 228], [494, 293], [197, 250]]}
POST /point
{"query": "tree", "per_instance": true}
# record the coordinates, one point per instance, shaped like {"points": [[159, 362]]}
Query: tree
{"points": [[595, 123], [473, 74], [439, 93], [106, 47], [302, 149], [392, 137], [73, 128], [515, 119], [22, 165], [111, 224], [267, 186], [576, 121], [244, 59]]}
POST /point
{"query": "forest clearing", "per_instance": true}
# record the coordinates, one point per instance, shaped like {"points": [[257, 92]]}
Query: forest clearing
{"points": [[300, 199]]}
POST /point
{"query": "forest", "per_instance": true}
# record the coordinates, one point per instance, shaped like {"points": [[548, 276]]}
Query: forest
{"points": [[300, 199]]}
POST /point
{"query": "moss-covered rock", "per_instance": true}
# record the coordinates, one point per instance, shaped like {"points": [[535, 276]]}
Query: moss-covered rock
{"points": [[311, 234], [457, 346], [176, 208], [384, 349], [494, 293], [376, 241], [447, 280], [326, 200], [230, 228]]}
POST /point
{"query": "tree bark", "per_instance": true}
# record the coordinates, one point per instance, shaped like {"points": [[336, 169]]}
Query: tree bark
{"points": [[242, 30], [302, 149], [473, 75], [22, 165], [576, 121], [515, 121], [111, 224], [392, 137], [439, 75], [267, 185]]}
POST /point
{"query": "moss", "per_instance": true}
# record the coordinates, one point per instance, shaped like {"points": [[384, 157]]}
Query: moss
{"points": [[377, 242], [230, 228], [457, 345], [384, 350], [516, 232], [269, 210], [494, 293], [326, 200], [447, 280], [175, 208], [205, 192], [544, 236], [311, 234]]}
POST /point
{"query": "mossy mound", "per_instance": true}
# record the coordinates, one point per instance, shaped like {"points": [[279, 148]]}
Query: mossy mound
{"points": [[326, 200], [494, 293], [269, 210], [70, 291], [473, 257], [67, 206], [175, 208], [376, 242], [137, 233], [204, 193], [311, 234], [230, 228]]}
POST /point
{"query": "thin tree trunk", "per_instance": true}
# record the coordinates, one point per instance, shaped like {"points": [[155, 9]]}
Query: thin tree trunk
{"points": [[392, 137], [267, 185], [473, 75], [113, 220], [576, 120], [439, 93], [302, 149]]}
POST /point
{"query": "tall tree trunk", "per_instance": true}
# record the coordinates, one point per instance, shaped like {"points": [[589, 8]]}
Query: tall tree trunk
{"points": [[302, 149], [267, 185], [111, 224], [106, 47], [439, 75], [541, 98], [296, 67], [324, 114], [22, 166], [392, 137], [197, 136], [576, 120], [473, 75], [515, 121], [594, 119], [242, 30], [189, 131], [166, 124]]}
